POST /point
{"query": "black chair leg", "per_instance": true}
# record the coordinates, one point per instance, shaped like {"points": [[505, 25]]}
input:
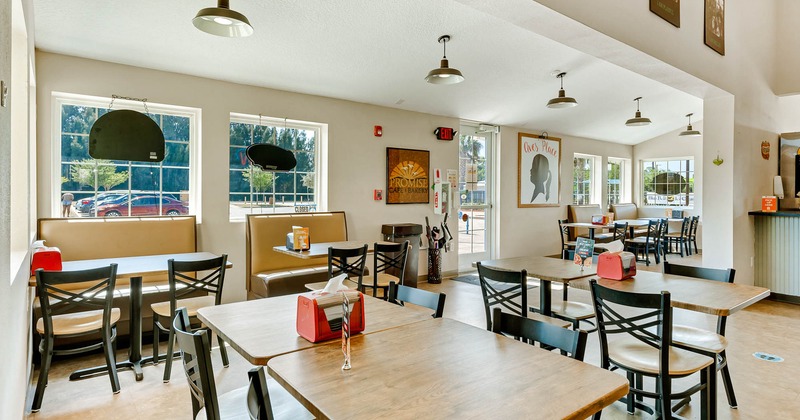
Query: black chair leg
{"points": [[46, 351], [664, 403], [111, 362], [156, 338], [726, 381], [168, 366], [630, 400], [222, 351]]}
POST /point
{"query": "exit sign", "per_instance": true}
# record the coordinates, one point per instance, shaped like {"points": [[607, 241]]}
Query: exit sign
{"points": [[445, 133]]}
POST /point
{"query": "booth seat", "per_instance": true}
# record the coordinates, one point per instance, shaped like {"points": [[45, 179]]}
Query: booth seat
{"points": [[583, 214], [271, 273], [96, 238], [628, 211]]}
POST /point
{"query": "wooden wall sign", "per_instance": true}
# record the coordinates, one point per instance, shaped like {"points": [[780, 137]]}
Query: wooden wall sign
{"points": [[714, 33], [669, 10], [407, 176]]}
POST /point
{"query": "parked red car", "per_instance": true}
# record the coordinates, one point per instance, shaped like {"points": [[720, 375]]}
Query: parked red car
{"points": [[143, 206]]}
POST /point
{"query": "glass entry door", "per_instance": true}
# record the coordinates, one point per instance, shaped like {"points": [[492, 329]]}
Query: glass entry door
{"points": [[475, 195]]}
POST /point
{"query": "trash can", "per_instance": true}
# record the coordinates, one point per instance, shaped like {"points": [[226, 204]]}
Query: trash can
{"points": [[399, 233]]}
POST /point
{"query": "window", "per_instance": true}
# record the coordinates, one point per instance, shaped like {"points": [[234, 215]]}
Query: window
{"points": [[255, 191], [616, 175], [668, 182], [106, 188], [583, 175]]}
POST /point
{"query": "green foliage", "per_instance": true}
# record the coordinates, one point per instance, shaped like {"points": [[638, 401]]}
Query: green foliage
{"points": [[83, 173], [259, 180], [308, 180]]}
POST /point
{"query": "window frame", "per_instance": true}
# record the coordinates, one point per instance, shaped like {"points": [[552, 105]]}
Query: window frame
{"points": [[320, 130], [595, 179], [679, 159], [59, 99], [623, 163]]}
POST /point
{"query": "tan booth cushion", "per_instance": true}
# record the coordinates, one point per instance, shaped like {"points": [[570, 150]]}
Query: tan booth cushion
{"points": [[625, 211], [271, 273], [581, 214]]}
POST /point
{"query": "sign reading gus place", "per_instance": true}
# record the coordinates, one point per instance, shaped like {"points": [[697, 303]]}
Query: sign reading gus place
{"points": [[407, 176]]}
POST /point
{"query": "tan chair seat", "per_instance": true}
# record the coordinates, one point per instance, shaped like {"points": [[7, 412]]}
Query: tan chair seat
{"points": [[573, 310], [191, 305], [383, 280], [697, 338], [233, 404], [78, 323], [641, 240], [674, 235], [632, 354], [550, 320]]}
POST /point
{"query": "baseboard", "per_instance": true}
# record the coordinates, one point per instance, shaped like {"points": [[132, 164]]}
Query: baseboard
{"points": [[445, 275], [780, 297]]}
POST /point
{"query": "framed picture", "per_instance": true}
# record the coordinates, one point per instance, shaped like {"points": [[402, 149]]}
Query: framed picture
{"points": [[407, 176], [714, 33], [669, 10], [538, 171]]}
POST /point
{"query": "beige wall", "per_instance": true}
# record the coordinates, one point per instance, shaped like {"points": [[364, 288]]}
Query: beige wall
{"points": [[16, 186]]}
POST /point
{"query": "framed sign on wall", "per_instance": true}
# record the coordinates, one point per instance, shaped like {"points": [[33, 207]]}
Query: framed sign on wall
{"points": [[538, 171], [714, 32], [669, 10], [407, 176]]}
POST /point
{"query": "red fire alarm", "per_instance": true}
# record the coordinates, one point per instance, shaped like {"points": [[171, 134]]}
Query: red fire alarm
{"points": [[378, 131], [445, 133], [377, 195]]}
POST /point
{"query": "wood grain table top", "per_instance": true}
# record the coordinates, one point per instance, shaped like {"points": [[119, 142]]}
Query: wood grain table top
{"points": [[587, 225], [321, 249], [543, 268], [264, 328], [706, 296], [128, 267], [443, 368]]}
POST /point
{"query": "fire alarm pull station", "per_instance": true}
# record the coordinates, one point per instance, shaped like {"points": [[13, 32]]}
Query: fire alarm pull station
{"points": [[378, 131], [377, 195]]}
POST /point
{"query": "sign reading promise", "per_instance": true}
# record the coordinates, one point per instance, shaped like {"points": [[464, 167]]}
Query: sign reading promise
{"points": [[407, 179]]}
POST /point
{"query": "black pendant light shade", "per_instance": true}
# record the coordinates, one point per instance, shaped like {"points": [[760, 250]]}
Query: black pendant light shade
{"points": [[689, 132], [562, 100], [444, 75], [637, 119], [222, 21]]}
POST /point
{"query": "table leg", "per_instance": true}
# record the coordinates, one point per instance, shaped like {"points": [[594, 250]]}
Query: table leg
{"points": [[135, 360], [545, 298]]}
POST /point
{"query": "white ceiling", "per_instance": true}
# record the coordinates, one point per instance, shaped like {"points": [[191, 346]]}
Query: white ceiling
{"points": [[375, 52]]}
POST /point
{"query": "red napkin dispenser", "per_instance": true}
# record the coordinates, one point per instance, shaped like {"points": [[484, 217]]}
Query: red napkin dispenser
{"points": [[319, 315], [46, 257], [616, 265]]}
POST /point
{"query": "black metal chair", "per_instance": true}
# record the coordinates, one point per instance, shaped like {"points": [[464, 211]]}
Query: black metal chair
{"points": [[708, 343], [663, 239], [680, 239], [511, 293], [350, 261], [400, 294], [644, 349], [643, 245], [61, 321], [566, 244], [185, 280], [693, 234], [261, 399], [389, 266], [532, 331], [620, 232]]}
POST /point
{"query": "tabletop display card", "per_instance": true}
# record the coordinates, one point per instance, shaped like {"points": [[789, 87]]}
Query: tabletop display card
{"points": [[584, 248]]}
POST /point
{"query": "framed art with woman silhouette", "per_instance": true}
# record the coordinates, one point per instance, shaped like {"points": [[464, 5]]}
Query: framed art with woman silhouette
{"points": [[539, 169]]}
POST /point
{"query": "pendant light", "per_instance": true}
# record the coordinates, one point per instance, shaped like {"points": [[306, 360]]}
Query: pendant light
{"points": [[222, 21], [444, 75], [562, 101], [689, 132], [637, 119]]}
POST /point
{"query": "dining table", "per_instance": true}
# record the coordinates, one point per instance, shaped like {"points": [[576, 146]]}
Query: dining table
{"points": [[317, 250], [132, 268], [442, 368], [264, 328], [547, 270]]}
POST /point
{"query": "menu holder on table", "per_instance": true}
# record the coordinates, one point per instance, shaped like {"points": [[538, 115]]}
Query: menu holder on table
{"points": [[584, 249]]}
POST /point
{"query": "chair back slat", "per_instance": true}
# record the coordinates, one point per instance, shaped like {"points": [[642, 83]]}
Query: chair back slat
{"points": [[400, 294], [716, 274], [532, 331], [98, 293], [620, 232], [350, 261], [195, 348], [494, 295], [651, 324], [185, 278], [390, 258], [258, 402], [564, 233]]}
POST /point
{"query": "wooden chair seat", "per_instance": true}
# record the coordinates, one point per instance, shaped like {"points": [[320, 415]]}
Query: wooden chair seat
{"points": [[573, 310], [699, 339], [549, 319], [233, 404], [384, 279], [79, 322], [641, 240], [191, 305], [630, 353]]}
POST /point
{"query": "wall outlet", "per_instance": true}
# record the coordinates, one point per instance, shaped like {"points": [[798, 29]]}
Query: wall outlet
{"points": [[3, 93], [752, 261]]}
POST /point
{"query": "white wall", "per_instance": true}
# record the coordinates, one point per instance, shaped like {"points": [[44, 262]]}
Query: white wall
{"points": [[534, 231], [357, 160], [16, 141], [747, 71]]}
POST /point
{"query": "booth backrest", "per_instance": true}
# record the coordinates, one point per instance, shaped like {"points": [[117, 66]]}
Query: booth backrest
{"points": [[581, 213], [102, 237], [625, 211], [265, 231]]}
